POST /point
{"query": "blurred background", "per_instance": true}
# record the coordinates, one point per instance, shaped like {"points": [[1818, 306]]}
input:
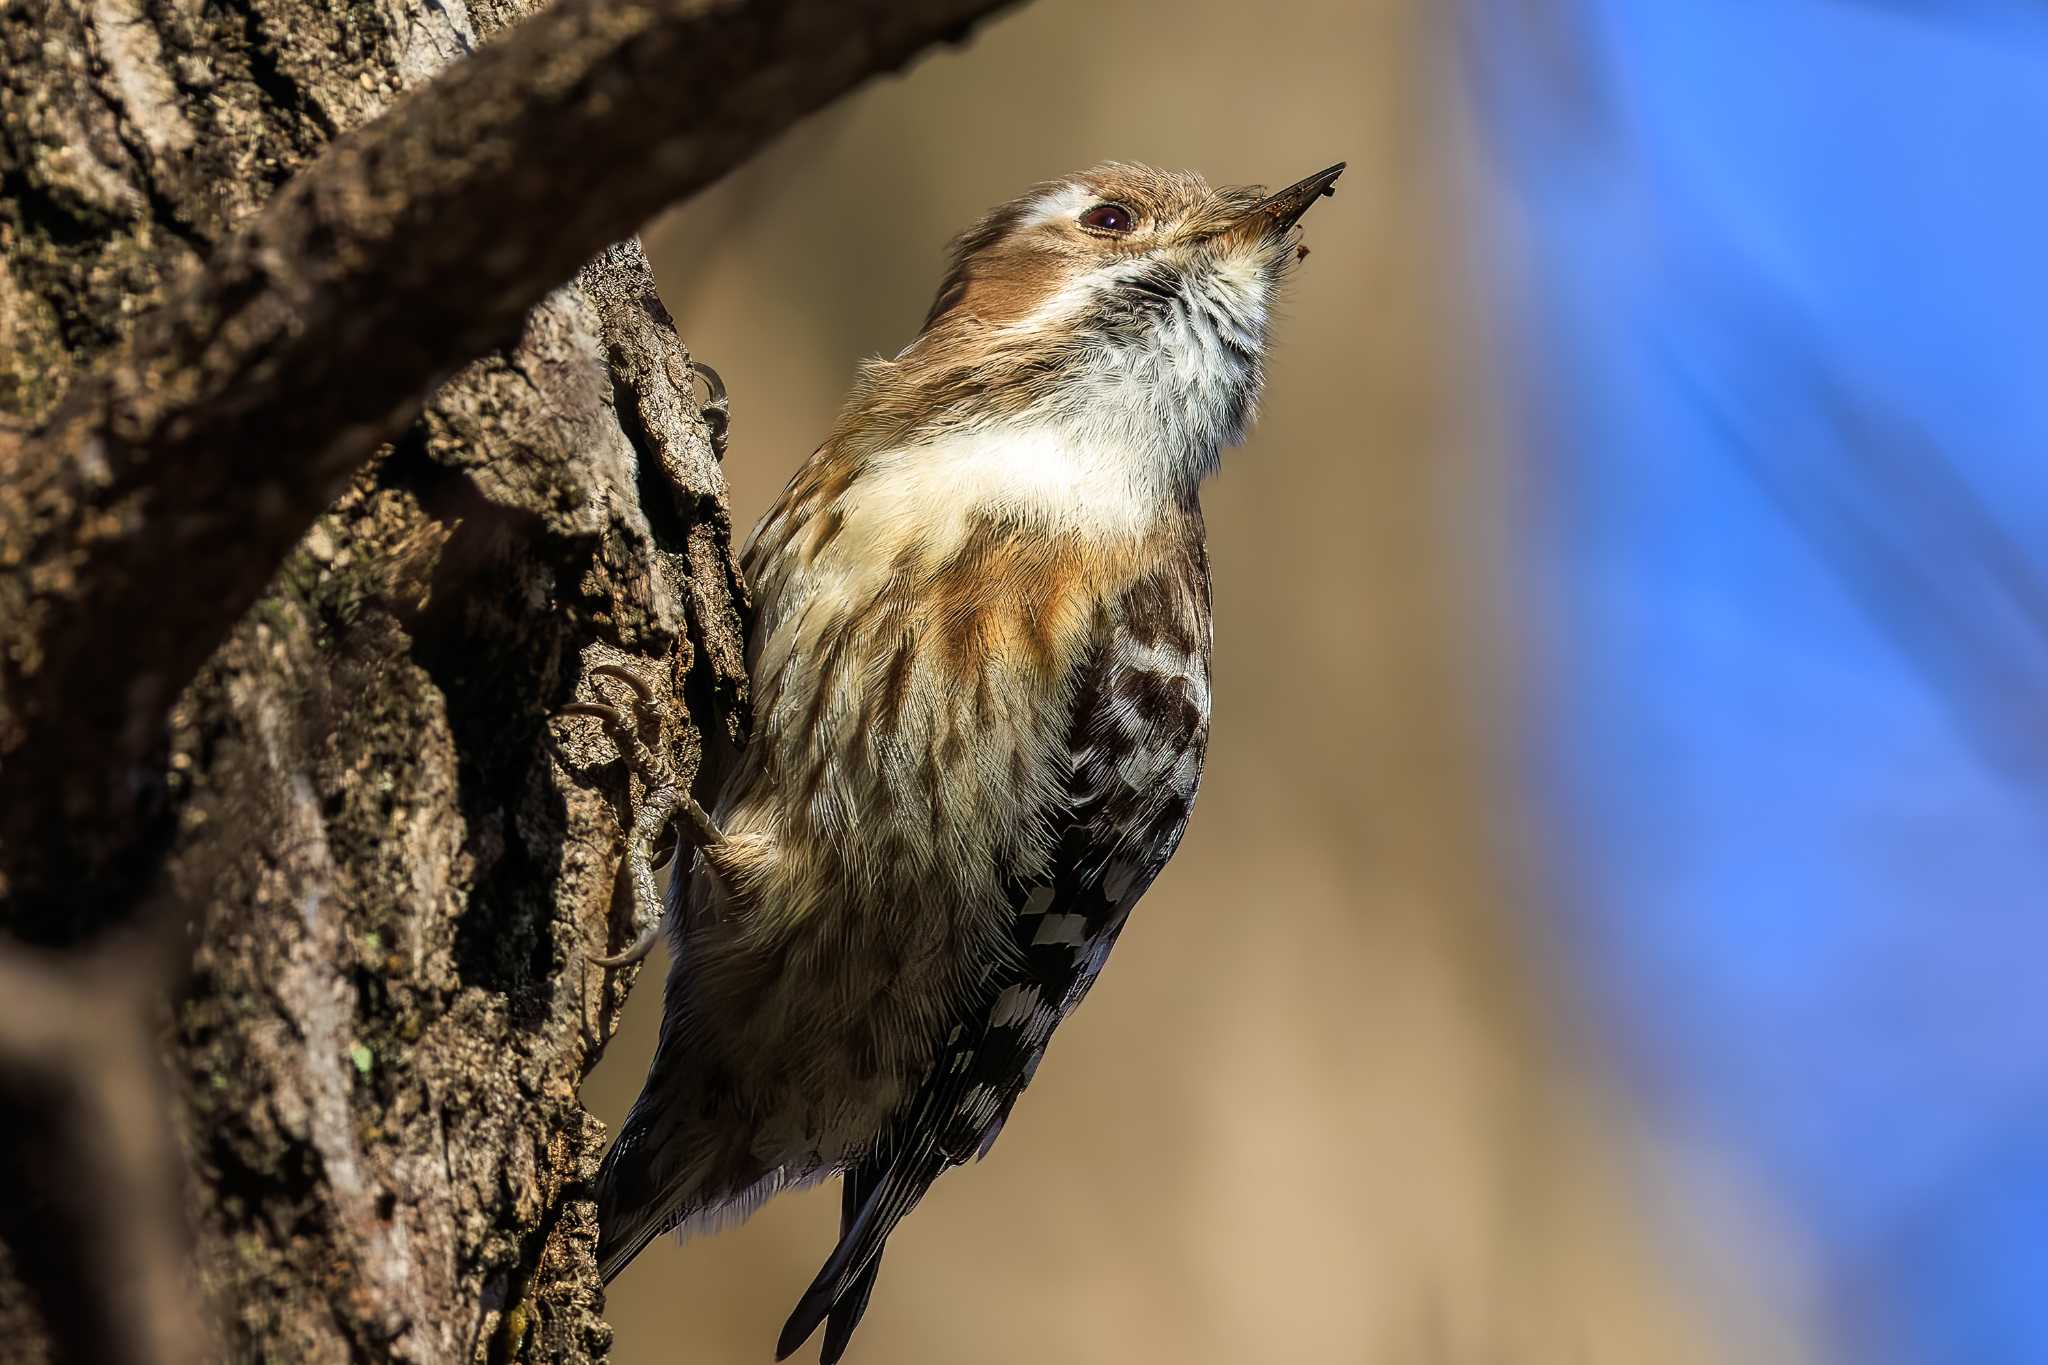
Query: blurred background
{"points": [[1609, 931]]}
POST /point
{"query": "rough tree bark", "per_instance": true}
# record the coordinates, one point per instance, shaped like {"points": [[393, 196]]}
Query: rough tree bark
{"points": [[370, 854]]}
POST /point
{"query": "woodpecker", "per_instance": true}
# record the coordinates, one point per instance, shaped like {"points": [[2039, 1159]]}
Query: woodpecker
{"points": [[980, 671]]}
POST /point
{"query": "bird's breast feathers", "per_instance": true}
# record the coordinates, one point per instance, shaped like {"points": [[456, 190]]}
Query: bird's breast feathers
{"points": [[921, 615]]}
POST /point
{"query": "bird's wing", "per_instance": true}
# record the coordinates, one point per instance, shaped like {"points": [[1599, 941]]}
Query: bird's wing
{"points": [[1140, 727]]}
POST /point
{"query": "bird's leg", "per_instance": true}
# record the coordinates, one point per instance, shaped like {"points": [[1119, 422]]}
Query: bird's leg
{"points": [[716, 410], [662, 798], [650, 769]]}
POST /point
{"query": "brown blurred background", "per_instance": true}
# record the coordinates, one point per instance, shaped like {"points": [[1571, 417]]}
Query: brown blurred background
{"points": [[1323, 1106]]}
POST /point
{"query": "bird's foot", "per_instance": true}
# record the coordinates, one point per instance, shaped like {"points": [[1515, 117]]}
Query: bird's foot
{"points": [[654, 833]]}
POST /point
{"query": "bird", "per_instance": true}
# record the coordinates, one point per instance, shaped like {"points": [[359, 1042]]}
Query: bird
{"points": [[979, 665]]}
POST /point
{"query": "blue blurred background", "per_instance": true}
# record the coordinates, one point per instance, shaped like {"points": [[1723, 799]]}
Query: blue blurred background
{"points": [[1777, 282]]}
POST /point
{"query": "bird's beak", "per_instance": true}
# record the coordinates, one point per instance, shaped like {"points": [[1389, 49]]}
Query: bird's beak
{"points": [[1284, 209]]}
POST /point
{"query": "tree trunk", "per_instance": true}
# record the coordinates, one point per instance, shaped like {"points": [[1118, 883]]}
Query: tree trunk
{"points": [[384, 859]]}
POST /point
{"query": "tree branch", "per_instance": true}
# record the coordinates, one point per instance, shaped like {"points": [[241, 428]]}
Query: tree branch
{"points": [[147, 514]]}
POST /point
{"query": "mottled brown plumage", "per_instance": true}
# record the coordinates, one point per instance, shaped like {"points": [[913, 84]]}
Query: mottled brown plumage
{"points": [[980, 669]]}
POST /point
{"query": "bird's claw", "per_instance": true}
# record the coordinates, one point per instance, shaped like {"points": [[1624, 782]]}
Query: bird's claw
{"points": [[716, 410], [641, 688]]}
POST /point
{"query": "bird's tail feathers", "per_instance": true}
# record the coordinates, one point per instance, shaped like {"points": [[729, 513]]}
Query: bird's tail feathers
{"points": [[635, 1204], [875, 1199], [638, 1202]]}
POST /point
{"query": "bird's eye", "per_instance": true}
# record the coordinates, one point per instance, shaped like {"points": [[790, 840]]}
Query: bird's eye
{"points": [[1108, 218]]}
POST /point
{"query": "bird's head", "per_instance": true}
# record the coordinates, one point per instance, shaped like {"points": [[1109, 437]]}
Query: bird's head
{"points": [[1131, 301]]}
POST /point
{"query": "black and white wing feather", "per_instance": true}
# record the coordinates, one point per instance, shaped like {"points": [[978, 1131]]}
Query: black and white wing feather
{"points": [[1139, 732]]}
